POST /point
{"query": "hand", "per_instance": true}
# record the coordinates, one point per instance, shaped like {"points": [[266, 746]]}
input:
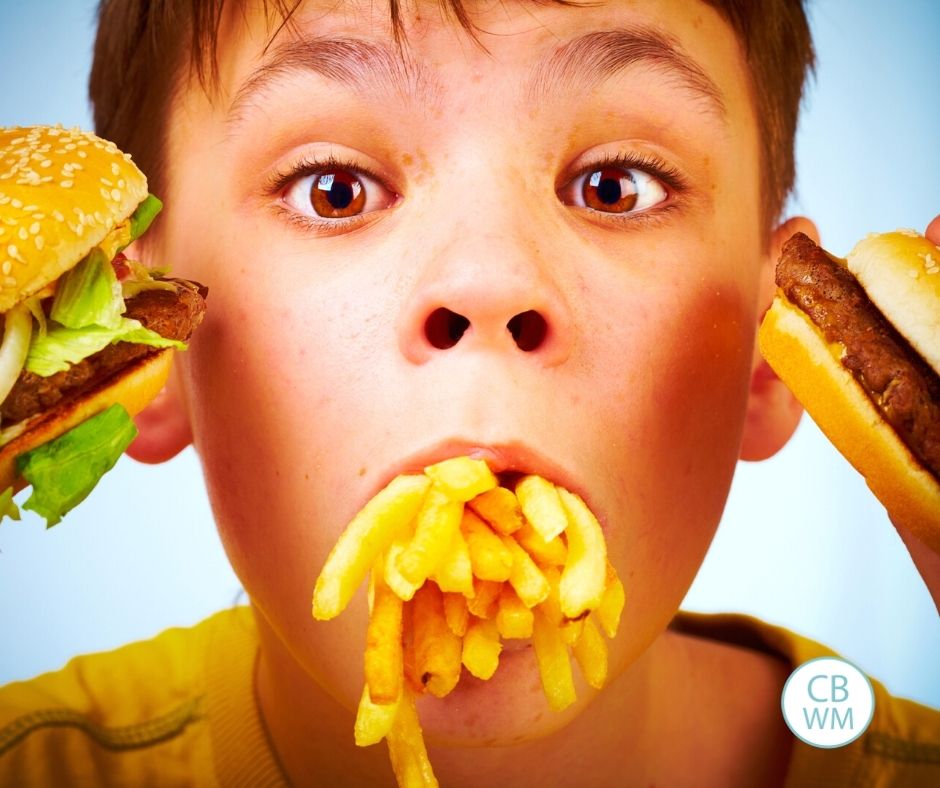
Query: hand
{"points": [[926, 561], [933, 231]]}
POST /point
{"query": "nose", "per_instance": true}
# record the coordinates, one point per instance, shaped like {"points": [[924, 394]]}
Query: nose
{"points": [[487, 292], [444, 328]]}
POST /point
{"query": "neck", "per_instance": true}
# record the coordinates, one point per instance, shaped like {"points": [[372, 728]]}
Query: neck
{"points": [[659, 717]]}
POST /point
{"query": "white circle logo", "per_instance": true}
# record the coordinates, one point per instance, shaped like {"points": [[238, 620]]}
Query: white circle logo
{"points": [[827, 702]]}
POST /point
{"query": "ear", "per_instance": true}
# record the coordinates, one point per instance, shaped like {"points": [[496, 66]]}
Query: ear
{"points": [[163, 426], [772, 411]]}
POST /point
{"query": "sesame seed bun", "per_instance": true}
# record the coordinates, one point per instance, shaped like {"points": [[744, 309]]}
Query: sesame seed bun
{"points": [[61, 192], [811, 368], [134, 387]]}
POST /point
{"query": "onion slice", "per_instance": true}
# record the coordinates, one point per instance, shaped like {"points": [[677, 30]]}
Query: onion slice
{"points": [[17, 331]]}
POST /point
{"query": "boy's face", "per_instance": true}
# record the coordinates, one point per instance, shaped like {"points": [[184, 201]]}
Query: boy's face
{"points": [[462, 181]]}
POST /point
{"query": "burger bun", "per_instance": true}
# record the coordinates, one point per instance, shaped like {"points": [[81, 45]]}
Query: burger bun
{"points": [[61, 192], [133, 388], [810, 367]]}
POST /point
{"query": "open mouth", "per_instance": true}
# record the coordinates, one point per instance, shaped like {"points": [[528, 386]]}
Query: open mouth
{"points": [[471, 554], [509, 461]]}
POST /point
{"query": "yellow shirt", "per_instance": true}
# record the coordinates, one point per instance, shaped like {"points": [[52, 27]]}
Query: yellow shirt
{"points": [[180, 710]]}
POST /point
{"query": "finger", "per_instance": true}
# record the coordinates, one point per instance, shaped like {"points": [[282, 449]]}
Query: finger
{"points": [[926, 561], [933, 231]]}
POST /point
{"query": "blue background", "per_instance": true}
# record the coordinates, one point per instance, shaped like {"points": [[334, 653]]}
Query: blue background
{"points": [[803, 543]]}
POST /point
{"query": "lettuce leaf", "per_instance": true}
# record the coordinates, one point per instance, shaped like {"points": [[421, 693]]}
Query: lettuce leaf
{"points": [[65, 470], [87, 312], [7, 507], [61, 347], [144, 215], [89, 294]]}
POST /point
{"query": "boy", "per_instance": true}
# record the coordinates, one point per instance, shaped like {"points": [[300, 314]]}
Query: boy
{"points": [[532, 322]]}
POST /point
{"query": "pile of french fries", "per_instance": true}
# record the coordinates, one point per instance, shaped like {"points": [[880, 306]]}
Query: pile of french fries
{"points": [[457, 564]]}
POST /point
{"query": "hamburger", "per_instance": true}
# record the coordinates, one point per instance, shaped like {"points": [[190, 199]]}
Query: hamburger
{"points": [[858, 343], [88, 334]]}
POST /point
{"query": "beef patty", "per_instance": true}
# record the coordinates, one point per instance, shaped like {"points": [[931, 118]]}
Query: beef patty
{"points": [[904, 388], [173, 314]]}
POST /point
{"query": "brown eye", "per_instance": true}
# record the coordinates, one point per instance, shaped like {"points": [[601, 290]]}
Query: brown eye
{"points": [[331, 193], [610, 190], [337, 194], [614, 190]]}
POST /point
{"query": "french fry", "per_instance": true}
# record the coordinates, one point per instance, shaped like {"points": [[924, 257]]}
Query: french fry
{"points": [[455, 573], [585, 572], [456, 613], [412, 677], [551, 553], [554, 663], [462, 478], [437, 649], [458, 563], [481, 648], [383, 657], [366, 536], [611, 606], [500, 508], [403, 589], [484, 602], [526, 578], [513, 619], [406, 748], [373, 720], [438, 521], [490, 559], [569, 629], [590, 651], [541, 506], [551, 606]]}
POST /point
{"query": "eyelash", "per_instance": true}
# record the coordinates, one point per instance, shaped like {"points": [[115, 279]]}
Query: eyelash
{"points": [[653, 165], [674, 181], [309, 165]]}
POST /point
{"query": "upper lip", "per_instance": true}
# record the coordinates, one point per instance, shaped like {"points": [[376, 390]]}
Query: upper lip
{"points": [[503, 457]]}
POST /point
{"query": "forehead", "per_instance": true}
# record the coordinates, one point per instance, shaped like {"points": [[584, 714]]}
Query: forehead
{"points": [[553, 46]]}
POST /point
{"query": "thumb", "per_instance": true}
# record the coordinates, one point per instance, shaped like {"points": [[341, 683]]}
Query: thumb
{"points": [[925, 559], [933, 231]]}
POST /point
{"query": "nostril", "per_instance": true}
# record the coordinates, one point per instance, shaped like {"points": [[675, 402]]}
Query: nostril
{"points": [[444, 328], [528, 329]]}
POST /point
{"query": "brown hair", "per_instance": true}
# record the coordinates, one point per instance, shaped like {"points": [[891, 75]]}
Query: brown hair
{"points": [[143, 46]]}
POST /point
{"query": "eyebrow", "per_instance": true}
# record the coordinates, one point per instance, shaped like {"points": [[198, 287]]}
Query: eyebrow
{"points": [[581, 63], [361, 65], [595, 57]]}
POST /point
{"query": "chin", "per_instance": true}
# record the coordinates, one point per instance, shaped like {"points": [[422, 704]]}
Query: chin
{"points": [[509, 708]]}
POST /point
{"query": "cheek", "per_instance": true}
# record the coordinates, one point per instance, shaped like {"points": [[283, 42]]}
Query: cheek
{"points": [[700, 389], [271, 413], [680, 421]]}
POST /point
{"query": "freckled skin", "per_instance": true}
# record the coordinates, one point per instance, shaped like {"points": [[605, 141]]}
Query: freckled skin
{"points": [[311, 376]]}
